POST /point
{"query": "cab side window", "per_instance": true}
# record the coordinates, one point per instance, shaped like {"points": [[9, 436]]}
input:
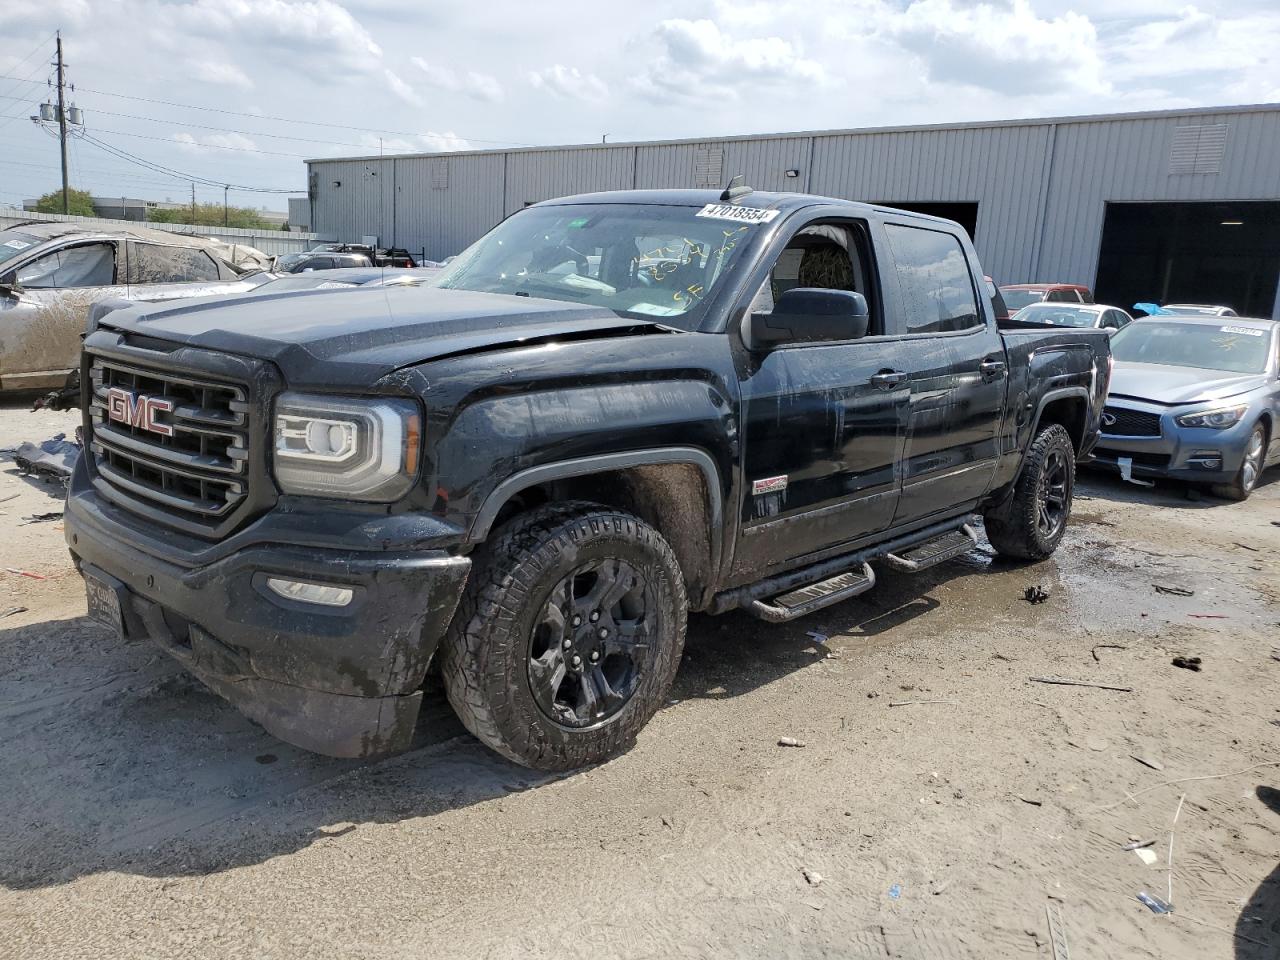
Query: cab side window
{"points": [[86, 265], [156, 263], [824, 256], [934, 280]]}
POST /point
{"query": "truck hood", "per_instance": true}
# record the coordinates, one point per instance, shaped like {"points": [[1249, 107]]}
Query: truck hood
{"points": [[356, 336], [1173, 386]]}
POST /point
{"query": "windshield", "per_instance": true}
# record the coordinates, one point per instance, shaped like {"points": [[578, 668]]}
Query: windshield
{"points": [[13, 242], [1017, 299], [638, 259], [1208, 346], [1057, 315]]}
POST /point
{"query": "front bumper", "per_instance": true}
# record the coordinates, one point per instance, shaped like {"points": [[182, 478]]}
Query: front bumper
{"points": [[1179, 453], [343, 681]]}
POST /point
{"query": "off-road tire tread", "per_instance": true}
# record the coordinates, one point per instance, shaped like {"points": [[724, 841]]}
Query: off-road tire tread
{"points": [[504, 572], [1011, 527]]}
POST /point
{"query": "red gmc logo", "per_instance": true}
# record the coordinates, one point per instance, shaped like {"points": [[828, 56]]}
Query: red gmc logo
{"points": [[138, 410]]}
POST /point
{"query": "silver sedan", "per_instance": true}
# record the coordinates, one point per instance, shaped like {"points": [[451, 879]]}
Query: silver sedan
{"points": [[1195, 399]]}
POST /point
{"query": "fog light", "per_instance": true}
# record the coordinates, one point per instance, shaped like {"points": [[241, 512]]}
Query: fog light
{"points": [[311, 592], [1206, 459]]}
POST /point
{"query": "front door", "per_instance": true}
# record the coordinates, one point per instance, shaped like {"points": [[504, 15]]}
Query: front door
{"points": [[823, 423], [958, 370]]}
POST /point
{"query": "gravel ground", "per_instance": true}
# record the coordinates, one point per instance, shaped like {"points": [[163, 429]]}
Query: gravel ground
{"points": [[942, 806]]}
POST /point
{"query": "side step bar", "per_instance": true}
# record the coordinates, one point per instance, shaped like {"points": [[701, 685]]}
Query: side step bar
{"points": [[815, 596], [934, 551]]}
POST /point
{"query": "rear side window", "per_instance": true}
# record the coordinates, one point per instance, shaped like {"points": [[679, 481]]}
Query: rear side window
{"points": [[154, 263], [934, 278]]}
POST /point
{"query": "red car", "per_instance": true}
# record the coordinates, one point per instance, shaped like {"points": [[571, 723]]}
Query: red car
{"points": [[1019, 295]]}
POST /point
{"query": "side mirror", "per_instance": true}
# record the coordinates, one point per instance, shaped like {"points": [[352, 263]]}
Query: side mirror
{"points": [[811, 314], [9, 286]]}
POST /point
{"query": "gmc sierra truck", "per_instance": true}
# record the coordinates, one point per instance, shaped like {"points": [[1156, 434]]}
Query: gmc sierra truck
{"points": [[609, 411]]}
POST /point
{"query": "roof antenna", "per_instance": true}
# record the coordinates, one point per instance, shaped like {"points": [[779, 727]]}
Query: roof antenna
{"points": [[735, 191]]}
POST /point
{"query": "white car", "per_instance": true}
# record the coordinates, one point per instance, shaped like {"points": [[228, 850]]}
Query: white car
{"points": [[1096, 316]]}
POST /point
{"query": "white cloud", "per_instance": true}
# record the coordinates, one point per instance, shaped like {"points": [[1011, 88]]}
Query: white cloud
{"points": [[225, 141], [401, 89], [444, 141], [1006, 48], [697, 59], [478, 86], [221, 73], [19, 14], [569, 82], [425, 143]]}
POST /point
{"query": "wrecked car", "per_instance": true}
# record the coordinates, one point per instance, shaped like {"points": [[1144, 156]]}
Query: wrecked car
{"points": [[1195, 399], [50, 274], [611, 410]]}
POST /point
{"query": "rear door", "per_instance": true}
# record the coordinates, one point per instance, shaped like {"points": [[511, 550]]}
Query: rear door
{"points": [[158, 271], [822, 423], [956, 365]]}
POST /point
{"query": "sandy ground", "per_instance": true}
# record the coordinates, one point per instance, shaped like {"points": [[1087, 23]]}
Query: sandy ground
{"points": [[141, 817]]}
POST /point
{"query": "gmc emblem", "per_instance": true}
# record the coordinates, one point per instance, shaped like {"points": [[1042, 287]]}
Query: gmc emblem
{"points": [[138, 410]]}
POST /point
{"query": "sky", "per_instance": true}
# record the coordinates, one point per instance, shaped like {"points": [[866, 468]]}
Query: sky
{"points": [[241, 91]]}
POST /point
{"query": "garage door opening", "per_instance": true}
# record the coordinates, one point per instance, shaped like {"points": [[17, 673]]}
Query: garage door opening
{"points": [[1215, 253], [965, 214]]}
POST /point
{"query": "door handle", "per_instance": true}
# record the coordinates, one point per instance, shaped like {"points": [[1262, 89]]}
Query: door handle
{"points": [[888, 378], [991, 369]]}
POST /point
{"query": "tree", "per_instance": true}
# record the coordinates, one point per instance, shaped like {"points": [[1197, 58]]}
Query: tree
{"points": [[79, 203], [211, 215]]}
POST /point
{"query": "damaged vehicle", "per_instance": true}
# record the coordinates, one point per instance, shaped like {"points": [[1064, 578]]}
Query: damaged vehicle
{"points": [[610, 411], [1195, 399], [51, 273]]}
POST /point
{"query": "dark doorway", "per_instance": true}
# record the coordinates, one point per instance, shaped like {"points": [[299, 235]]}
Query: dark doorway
{"points": [[1216, 253], [965, 214]]}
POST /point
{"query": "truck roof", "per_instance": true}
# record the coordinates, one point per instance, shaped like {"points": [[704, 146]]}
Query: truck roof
{"points": [[758, 199]]}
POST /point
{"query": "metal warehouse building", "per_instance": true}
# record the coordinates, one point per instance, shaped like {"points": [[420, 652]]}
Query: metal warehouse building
{"points": [[1165, 206]]}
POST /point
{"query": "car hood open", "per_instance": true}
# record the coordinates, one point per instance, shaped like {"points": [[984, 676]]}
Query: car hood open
{"points": [[1175, 386], [358, 335]]}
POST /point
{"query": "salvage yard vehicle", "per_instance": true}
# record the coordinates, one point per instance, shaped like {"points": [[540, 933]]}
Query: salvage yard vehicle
{"points": [[1019, 295], [50, 274], [1196, 310], [609, 411], [319, 260], [1092, 315], [1195, 399]]}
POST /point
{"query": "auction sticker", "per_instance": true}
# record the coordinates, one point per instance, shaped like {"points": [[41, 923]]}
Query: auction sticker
{"points": [[17, 244], [1244, 331], [727, 211]]}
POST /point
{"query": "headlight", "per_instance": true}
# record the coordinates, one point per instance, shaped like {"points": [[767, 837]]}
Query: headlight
{"points": [[1217, 419], [363, 449]]}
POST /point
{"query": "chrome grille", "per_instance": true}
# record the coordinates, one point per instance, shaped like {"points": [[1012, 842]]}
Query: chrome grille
{"points": [[198, 474], [1123, 422]]}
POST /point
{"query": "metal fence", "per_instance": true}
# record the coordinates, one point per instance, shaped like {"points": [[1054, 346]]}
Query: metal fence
{"points": [[268, 241]]}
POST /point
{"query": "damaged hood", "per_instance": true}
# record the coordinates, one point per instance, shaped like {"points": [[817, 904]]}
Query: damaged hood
{"points": [[1173, 386], [359, 335]]}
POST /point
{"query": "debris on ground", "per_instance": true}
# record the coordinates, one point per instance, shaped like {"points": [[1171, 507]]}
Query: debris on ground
{"points": [[25, 573], [1147, 856], [1245, 546], [1187, 663], [1156, 904], [41, 517], [1064, 681], [1208, 616], [1036, 594], [1138, 845], [10, 611], [909, 703], [12, 496], [817, 637], [1105, 646], [1153, 764], [1173, 591], [812, 877], [1057, 931], [53, 459], [790, 742], [1031, 800], [895, 891]]}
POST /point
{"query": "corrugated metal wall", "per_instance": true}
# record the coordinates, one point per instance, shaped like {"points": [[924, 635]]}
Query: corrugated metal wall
{"points": [[1041, 187]]}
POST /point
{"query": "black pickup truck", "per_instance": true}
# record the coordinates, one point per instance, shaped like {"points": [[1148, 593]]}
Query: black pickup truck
{"points": [[609, 411]]}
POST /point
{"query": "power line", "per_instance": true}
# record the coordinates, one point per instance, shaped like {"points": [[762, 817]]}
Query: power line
{"points": [[169, 171], [196, 143], [309, 123]]}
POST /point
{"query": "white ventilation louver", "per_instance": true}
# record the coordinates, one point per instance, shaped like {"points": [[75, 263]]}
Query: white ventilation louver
{"points": [[708, 167], [1198, 149]]}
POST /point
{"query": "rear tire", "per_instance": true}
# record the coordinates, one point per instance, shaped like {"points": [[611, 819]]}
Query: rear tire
{"points": [[568, 636], [1250, 471], [1030, 524]]}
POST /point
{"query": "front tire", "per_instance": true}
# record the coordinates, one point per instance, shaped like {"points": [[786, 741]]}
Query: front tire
{"points": [[568, 636], [1250, 468], [1030, 524]]}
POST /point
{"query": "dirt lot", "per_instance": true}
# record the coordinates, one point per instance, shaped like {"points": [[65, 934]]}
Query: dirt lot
{"points": [[141, 817]]}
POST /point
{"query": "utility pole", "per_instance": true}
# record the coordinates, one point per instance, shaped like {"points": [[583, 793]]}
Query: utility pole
{"points": [[62, 127], [193, 202], [225, 188]]}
